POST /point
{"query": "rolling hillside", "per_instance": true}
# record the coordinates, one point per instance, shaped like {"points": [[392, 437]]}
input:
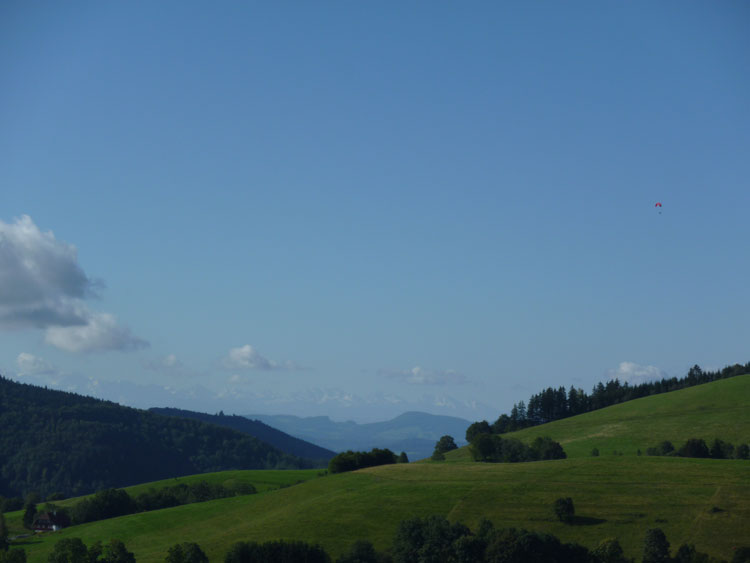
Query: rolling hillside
{"points": [[720, 409], [703, 501], [53, 441]]}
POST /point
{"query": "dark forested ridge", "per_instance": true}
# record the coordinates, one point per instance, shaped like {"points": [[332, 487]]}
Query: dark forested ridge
{"points": [[58, 442], [554, 404], [276, 438]]}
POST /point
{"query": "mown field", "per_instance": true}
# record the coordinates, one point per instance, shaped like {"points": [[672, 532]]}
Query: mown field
{"points": [[614, 497], [703, 501]]}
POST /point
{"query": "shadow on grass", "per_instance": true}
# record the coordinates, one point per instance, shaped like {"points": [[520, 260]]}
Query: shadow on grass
{"points": [[585, 521], [25, 541]]}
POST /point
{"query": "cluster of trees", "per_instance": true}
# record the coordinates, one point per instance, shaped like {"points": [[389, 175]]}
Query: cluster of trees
{"points": [[554, 404], [73, 550], [435, 539], [494, 448], [417, 540], [111, 503], [53, 441], [351, 461], [278, 551], [697, 447]]}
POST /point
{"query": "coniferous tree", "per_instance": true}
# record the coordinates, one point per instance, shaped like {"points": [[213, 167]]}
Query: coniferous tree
{"points": [[29, 515]]}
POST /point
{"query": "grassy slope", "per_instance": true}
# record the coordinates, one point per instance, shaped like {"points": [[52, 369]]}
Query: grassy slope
{"points": [[619, 496], [714, 410], [262, 479]]}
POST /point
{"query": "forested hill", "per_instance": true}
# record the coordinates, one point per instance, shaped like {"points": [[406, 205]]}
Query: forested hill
{"points": [[53, 441], [276, 438]]}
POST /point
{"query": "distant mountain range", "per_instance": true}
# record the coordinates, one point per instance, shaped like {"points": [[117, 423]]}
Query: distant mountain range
{"points": [[258, 429], [412, 432]]}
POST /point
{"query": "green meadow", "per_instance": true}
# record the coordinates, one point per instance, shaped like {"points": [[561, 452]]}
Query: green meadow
{"points": [[720, 409], [701, 501]]}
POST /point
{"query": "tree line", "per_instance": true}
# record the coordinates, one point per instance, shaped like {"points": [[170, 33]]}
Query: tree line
{"points": [[351, 460], [64, 444], [554, 404], [111, 503], [697, 447]]}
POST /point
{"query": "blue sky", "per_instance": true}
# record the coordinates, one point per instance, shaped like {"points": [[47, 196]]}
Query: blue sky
{"points": [[358, 209]]}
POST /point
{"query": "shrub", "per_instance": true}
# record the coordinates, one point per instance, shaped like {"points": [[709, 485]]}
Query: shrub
{"points": [[437, 456], [13, 556], [595, 452]]}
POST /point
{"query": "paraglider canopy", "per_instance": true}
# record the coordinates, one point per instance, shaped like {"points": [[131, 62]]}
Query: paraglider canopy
{"points": [[658, 204]]}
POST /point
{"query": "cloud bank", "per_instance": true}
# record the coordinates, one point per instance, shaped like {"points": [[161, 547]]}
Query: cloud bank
{"points": [[420, 376], [635, 374], [42, 286], [29, 364], [247, 358]]}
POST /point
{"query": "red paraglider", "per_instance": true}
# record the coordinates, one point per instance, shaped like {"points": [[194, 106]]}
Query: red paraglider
{"points": [[658, 204]]}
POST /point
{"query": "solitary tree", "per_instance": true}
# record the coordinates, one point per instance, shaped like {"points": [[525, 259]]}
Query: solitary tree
{"points": [[402, 458], [564, 509], [655, 547], [445, 444]]}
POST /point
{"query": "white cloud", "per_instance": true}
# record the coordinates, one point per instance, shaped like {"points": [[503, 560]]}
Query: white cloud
{"points": [[41, 282], [29, 364], [420, 376], [101, 332], [635, 374], [43, 286], [246, 357]]}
